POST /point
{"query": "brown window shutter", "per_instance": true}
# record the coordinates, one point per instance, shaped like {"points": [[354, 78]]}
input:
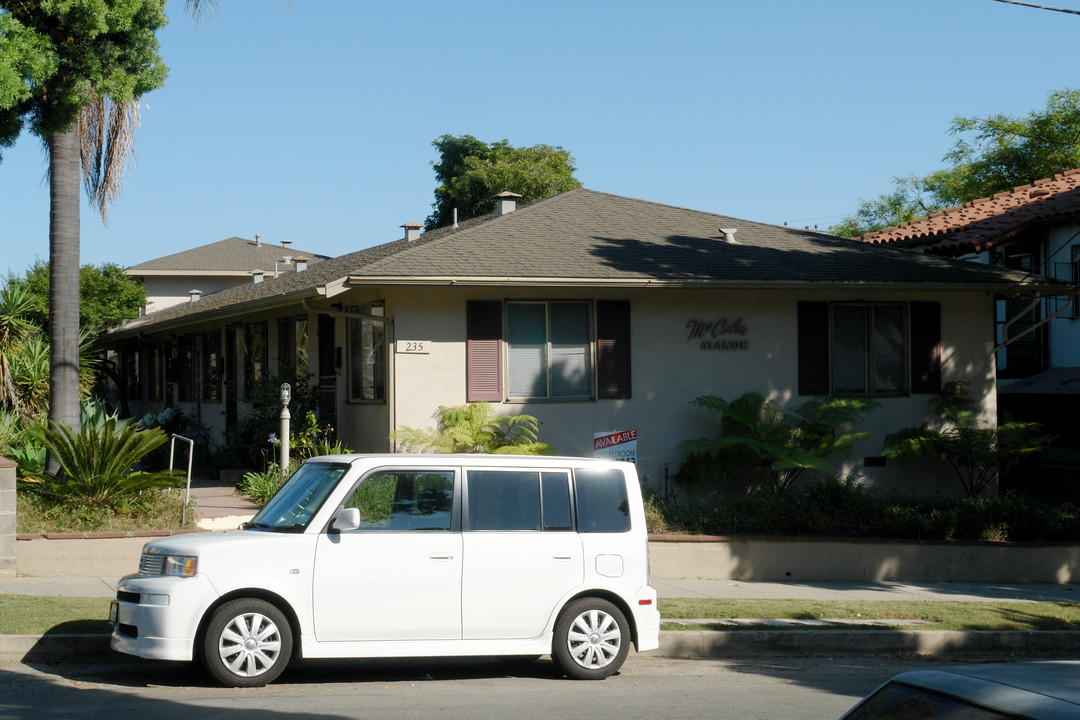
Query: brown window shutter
{"points": [[926, 347], [813, 340], [483, 351], [613, 349]]}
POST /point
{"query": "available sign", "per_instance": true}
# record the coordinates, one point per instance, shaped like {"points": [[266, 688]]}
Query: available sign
{"points": [[617, 445]]}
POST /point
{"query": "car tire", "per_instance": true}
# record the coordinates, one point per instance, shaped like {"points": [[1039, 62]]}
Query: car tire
{"points": [[592, 639], [248, 642]]}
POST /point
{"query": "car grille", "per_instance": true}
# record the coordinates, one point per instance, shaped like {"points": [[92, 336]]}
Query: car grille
{"points": [[151, 564]]}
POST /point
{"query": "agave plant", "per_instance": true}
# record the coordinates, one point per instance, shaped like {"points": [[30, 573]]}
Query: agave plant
{"points": [[96, 465]]}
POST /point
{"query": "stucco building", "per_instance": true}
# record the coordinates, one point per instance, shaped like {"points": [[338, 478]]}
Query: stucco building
{"points": [[594, 313]]}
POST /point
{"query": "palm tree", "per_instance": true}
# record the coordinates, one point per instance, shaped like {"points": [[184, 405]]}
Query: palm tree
{"points": [[101, 144]]}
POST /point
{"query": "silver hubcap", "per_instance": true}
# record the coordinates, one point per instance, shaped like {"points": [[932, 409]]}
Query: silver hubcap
{"points": [[250, 644], [594, 639]]}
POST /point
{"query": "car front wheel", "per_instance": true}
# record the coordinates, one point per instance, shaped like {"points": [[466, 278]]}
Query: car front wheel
{"points": [[248, 642], [591, 639]]}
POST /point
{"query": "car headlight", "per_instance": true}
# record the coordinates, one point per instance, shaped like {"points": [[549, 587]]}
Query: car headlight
{"points": [[177, 565]]}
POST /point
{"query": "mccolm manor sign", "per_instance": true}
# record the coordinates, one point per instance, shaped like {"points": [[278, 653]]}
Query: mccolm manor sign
{"points": [[721, 334]]}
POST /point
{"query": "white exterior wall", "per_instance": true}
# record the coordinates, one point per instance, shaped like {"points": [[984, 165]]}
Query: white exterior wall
{"points": [[163, 292], [669, 371]]}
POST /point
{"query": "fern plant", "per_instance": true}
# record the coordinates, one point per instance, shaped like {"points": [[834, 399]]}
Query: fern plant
{"points": [[769, 447], [976, 454], [475, 428]]}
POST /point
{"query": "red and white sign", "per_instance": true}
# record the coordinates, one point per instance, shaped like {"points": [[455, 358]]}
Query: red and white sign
{"points": [[616, 445]]}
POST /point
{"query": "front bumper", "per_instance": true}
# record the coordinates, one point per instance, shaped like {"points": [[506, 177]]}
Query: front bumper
{"points": [[158, 617]]}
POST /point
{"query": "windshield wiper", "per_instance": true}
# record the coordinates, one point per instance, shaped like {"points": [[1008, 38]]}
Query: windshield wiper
{"points": [[294, 528]]}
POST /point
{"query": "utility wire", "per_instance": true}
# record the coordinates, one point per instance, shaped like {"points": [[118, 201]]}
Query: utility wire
{"points": [[1040, 7]]}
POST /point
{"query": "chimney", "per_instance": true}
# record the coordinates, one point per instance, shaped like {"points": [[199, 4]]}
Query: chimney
{"points": [[256, 276], [506, 202], [286, 244], [412, 231], [258, 237], [729, 235], [300, 263], [195, 295]]}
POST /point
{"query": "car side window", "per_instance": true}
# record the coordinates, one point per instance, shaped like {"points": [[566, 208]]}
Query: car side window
{"points": [[602, 502], [555, 487], [405, 500], [504, 500]]}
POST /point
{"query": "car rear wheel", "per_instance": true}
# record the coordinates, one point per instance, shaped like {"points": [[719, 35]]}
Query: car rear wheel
{"points": [[248, 642], [591, 639]]}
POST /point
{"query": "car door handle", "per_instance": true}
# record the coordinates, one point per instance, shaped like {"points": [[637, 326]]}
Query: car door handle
{"points": [[440, 556], [562, 557]]}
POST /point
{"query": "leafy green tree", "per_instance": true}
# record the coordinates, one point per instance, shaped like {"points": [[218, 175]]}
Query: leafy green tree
{"points": [[769, 448], [977, 454], [66, 57], [471, 172], [990, 155], [475, 428], [107, 297]]}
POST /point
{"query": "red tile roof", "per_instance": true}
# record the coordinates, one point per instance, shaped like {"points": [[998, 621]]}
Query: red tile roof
{"points": [[986, 222]]}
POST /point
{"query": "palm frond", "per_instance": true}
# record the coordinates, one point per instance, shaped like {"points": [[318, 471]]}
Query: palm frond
{"points": [[107, 133]]}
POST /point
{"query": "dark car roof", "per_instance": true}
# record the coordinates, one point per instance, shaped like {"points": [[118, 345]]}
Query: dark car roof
{"points": [[1048, 690]]}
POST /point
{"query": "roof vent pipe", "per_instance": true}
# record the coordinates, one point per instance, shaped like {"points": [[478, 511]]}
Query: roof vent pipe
{"points": [[300, 263], [454, 226], [258, 237], [505, 202], [729, 235], [412, 231], [195, 295], [256, 276]]}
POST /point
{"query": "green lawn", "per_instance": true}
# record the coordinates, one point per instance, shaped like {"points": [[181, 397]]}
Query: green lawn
{"points": [[940, 615], [34, 615]]}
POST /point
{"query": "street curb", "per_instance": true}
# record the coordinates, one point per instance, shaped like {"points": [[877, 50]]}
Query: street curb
{"points": [[86, 649]]}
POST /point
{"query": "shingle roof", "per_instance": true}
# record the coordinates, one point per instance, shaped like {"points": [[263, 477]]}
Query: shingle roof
{"points": [[586, 237], [984, 223], [231, 254]]}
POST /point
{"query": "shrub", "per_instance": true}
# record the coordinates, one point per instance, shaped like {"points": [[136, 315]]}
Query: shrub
{"points": [[259, 487], [977, 455], [767, 447], [845, 508], [475, 428], [246, 443], [97, 464]]}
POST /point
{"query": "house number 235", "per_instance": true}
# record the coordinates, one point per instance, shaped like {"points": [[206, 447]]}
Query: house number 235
{"points": [[414, 347]]}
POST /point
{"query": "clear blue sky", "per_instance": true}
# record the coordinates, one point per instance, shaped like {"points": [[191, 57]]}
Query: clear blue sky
{"points": [[312, 121]]}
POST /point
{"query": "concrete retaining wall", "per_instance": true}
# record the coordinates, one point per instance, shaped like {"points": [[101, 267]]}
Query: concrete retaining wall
{"points": [[7, 518], [780, 559], [678, 557]]}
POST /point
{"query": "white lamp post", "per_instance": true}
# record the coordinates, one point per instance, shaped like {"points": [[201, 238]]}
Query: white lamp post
{"points": [[286, 395]]}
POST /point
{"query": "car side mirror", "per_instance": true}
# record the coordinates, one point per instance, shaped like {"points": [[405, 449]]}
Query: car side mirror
{"points": [[347, 519]]}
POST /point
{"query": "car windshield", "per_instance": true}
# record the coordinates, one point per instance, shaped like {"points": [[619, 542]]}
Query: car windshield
{"points": [[293, 506]]}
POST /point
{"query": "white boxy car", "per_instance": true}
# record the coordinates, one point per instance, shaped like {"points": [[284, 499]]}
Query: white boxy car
{"points": [[361, 556]]}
